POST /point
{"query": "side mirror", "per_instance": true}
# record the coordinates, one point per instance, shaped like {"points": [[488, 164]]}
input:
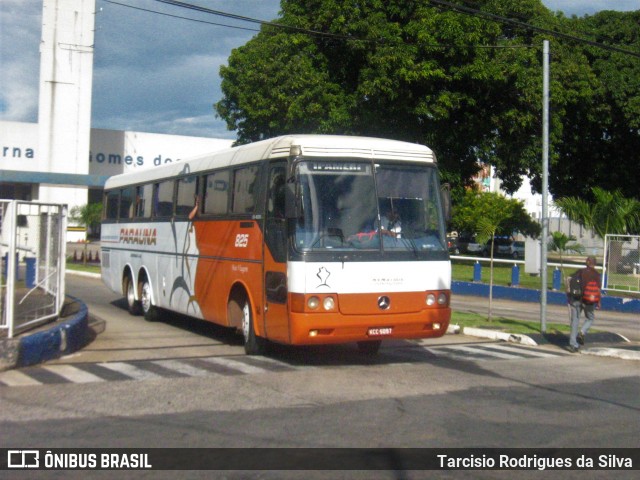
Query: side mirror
{"points": [[290, 207], [445, 198]]}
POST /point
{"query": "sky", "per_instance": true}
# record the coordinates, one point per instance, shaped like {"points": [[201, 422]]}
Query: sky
{"points": [[157, 73]]}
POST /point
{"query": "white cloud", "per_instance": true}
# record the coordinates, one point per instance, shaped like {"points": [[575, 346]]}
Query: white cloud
{"points": [[19, 59]]}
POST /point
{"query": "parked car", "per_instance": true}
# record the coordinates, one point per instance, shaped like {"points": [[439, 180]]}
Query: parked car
{"points": [[462, 242], [630, 263], [452, 245], [476, 248], [510, 248]]}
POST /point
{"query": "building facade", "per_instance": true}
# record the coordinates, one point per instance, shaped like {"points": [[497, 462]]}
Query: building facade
{"points": [[61, 159]]}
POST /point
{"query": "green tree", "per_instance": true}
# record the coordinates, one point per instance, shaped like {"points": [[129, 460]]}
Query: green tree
{"points": [[608, 212], [475, 206], [88, 216], [419, 72], [490, 214], [561, 242], [600, 136]]}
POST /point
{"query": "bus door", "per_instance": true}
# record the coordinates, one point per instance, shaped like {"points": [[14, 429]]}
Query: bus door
{"points": [[275, 256]]}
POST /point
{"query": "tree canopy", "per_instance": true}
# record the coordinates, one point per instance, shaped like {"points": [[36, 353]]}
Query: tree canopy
{"points": [[467, 86], [478, 212]]}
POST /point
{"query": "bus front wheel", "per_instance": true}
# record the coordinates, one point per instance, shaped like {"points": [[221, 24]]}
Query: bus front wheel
{"points": [[253, 344], [133, 305]]}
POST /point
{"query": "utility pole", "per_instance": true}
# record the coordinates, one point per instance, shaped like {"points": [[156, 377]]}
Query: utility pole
{"points": [[545, 185]]}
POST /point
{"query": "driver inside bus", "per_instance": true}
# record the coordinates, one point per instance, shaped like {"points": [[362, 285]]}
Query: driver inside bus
{"points": [[390, 224]]}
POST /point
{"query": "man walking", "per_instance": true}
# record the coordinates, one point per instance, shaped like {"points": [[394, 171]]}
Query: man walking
{"points": [[588, 301]]}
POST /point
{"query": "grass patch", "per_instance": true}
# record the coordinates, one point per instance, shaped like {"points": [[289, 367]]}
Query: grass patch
{"points": [[462, 271], [80, 267], [502, 324]]}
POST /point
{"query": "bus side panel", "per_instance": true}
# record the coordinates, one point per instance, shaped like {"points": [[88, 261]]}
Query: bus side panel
{"points": [[173, 270], [230, 254]]}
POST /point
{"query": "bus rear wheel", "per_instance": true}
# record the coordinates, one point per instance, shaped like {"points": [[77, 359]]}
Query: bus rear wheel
{"points": [[149, 311], [134, 306], [369, 347]]}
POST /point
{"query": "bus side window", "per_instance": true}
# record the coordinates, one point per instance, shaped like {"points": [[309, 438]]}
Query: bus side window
{"points": [[275, 201], [111, 202], [164, 199], [276, 235], [144, 196], [245, 187], [185, 197], [216, 192], [126, 203]]}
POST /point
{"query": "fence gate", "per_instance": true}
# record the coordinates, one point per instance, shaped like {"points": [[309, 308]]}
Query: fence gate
{"points": [[622, 263], [32, 248]]}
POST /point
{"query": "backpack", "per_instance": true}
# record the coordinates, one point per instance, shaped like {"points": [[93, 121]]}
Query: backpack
{"points": [[591, 293], [575, 286]]}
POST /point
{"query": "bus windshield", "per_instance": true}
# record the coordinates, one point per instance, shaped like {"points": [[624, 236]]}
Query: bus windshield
{"points": [[357, 205]]}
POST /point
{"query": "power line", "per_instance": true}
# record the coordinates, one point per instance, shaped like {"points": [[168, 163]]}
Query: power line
{"points": [[289, 27], [528, 26], [440, 3], [180, 17]]}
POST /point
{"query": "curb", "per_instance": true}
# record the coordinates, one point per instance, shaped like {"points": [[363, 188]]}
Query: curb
{"points": [[64, 338], [492, 335], [621, 353]]}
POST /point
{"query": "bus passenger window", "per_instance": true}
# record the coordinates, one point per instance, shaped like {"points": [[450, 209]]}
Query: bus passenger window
{"points": [[111, 202], [143, 201], [185, 199], [164, 199], [216, 192], [245, 188], [126, 203]]}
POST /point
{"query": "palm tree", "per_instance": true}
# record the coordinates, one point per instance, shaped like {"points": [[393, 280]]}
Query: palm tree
{"points": [[559, 242], [487, 227], [608, 213]]}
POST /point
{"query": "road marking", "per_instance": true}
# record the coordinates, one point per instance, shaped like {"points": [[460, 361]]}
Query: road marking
{"points": [[521, 351], [483, 352], [130, 370], [239, 365], [184, 368], [235, 365], [15, 378], [73, 374]]}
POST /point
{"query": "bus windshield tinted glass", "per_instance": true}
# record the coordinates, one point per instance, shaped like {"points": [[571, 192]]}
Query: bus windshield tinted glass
{"points": [[350, 205]]}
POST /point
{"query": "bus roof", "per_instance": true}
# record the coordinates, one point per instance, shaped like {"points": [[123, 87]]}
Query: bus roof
{"points": [[338, 146]]}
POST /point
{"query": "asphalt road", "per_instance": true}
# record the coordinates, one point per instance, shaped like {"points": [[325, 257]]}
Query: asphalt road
{"points": [[188, 384]]}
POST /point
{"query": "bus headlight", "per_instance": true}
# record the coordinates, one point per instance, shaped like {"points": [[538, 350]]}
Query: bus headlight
{"points": [[440, 299], [313, 303], [443, 299], [328, 303]]}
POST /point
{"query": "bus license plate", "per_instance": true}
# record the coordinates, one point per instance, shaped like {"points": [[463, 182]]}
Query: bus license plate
{"points": [[380, 331]]}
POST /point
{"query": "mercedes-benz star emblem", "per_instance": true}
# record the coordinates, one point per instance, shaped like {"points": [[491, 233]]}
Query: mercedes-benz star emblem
{"points": [[383, 302]]}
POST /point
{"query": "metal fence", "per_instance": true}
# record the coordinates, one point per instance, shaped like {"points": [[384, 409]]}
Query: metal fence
{"points": [[32, 248], [622, 263]]}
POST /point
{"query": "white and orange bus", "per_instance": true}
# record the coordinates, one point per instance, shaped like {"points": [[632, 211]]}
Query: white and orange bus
{"points": [[300, 239]]}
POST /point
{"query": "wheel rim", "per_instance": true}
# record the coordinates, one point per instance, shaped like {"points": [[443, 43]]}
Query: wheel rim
{"points": [[145, 297], [131, 299], [246, 321]]}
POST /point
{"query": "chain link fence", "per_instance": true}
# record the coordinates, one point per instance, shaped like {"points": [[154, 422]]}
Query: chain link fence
{"points": [[622, 263], [32, 248]]}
